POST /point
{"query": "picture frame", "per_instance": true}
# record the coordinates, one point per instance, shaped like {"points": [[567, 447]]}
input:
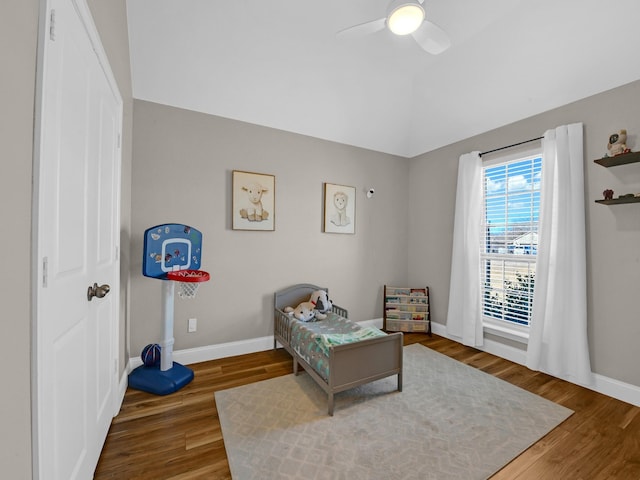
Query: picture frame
{"points": [[339, 209], [253, 201]]}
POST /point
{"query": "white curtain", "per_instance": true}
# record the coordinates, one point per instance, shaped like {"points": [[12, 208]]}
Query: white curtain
{"points": [[464, 319], [558, 333]]}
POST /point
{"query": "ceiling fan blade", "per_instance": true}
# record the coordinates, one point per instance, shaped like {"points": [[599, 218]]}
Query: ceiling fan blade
{"points": [[431, 38], [363, 29]]}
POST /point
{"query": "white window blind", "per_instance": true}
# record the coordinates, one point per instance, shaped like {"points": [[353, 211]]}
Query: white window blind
{"points": [[510, 239]]}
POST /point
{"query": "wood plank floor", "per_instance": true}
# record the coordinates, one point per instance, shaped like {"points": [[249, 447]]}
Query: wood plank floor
{"points": [[178, 436]]}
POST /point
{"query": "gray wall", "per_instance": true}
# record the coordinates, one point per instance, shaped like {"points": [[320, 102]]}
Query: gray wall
{"points": [[182, 173], [18, 46], [613, 232], [404, 234]]}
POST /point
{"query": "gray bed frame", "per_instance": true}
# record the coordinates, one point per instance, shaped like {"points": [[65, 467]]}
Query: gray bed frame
{"points": [[350, 364]]}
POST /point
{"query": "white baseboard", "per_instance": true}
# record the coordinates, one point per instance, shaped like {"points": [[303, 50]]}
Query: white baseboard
{"points": [[122, 389], [376, 322], [605, 385], [214, 352], [617, 389]]}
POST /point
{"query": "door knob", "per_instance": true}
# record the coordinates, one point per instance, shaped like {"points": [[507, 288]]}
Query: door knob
{"points": [[97, 291]]}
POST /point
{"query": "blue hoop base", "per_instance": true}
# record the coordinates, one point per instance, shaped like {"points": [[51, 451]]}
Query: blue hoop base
{"points": [[158, 382]]}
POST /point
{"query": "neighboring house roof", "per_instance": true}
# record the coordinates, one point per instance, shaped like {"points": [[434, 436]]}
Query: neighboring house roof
{"points": [[529, 238]]}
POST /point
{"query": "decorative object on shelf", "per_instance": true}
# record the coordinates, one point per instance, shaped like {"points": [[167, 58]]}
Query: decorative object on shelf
{"points": [[406, 309], [339, 209], [253, 202], [617, 144], [627, 195], [608, 194]]}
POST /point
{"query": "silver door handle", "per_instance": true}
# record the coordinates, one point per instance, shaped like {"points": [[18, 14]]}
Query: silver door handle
{"points": [[97, 291]]}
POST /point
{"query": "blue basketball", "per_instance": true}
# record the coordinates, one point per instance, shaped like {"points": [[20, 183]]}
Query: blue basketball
{"points": [[151, 355]]}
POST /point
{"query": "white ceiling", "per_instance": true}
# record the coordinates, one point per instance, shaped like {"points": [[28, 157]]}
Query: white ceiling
{"points": [[279, 64]]}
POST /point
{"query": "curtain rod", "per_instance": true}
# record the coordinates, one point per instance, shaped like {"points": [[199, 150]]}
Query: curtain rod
{"points": [[512, 145]]}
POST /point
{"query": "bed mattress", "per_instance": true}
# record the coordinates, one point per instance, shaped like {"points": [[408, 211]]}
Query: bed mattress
{"points": [[313, 340]]}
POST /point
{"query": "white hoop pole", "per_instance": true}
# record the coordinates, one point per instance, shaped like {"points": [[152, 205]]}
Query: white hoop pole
{"points": [[166, 355]]}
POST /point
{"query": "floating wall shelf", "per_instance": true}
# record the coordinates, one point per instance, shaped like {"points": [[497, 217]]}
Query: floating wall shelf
{"points": [[623, 159], [618, 201]]}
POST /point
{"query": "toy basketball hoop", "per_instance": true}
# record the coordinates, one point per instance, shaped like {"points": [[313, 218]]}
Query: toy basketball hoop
{"points": [[172, 253], [189, 281]]}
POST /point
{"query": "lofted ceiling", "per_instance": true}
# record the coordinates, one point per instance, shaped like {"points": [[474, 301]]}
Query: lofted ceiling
{"points": [[278, 63]]}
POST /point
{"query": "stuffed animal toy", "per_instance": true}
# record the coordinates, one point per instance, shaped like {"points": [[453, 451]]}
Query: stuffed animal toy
{"points": [[305, 312], [617, 144], [320, 299], [316, 308]]}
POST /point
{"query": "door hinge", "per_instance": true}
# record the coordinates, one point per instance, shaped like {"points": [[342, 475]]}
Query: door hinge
{"points": [[52, 25], [45, 272]]}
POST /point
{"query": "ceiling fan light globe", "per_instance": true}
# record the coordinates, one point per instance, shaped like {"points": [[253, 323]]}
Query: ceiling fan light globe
{"points": [[405, 18]]}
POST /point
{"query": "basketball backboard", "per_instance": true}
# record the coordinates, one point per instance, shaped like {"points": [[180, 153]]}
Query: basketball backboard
{"points": [[171, 247]]}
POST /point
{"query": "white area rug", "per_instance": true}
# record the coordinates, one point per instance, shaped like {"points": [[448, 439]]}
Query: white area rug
{"points": [[450, 421]]}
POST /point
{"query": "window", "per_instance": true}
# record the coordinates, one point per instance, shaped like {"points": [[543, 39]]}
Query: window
{"points": [[511, 198]]}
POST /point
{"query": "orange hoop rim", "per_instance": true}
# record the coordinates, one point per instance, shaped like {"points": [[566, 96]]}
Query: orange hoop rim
{"points": [[188, 276]]}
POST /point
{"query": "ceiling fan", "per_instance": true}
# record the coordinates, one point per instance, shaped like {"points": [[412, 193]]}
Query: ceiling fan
{"points": [[405, 17]]}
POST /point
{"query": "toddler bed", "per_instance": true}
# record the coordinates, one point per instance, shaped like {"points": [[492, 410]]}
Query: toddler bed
{"points": [[337, 353]]}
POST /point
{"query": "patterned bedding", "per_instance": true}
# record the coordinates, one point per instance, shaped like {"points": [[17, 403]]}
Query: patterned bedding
{"points": [[312, 340]]}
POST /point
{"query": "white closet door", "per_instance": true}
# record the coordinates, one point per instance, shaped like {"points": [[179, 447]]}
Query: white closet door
{"points": [[78, 235]]}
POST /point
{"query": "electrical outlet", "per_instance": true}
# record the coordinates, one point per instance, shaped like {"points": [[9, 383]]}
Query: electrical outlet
{"points": [[193, 325]]}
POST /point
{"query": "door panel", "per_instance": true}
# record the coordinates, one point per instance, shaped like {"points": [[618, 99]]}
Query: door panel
{"points": [[71, 116], [70, 403]]}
